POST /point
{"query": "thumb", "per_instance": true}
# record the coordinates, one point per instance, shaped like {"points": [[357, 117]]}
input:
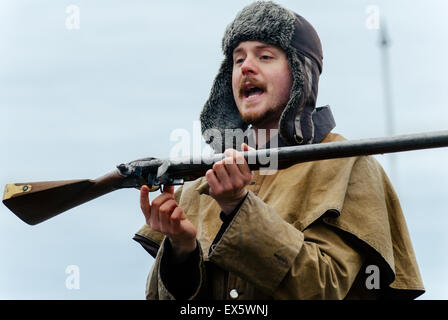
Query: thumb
{"points": [[246, 147]]}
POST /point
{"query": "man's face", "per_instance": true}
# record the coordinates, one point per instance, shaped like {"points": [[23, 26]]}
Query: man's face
{"points": [[261, 82]]}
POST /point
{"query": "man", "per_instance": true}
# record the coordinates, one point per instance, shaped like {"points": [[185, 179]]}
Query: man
{"points": [[328, 229]]}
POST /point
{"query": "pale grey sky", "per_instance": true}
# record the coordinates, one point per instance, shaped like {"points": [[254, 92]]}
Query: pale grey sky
{"points": [[75, 103]]}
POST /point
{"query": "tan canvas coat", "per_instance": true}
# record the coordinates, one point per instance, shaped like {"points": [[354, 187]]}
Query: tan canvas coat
{"points": [[306, 232]]}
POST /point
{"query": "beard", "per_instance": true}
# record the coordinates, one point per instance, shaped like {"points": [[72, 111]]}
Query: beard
{"points": [[262, 120], [269, 117]]}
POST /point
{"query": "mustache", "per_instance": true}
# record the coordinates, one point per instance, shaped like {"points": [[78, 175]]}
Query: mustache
{"points": [[252, 81]]}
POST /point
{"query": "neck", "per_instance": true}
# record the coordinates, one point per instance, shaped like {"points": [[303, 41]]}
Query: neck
{"points": [[263, 132]]}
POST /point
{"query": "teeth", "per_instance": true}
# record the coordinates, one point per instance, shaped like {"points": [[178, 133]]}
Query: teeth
{"points": [[253, 91]]}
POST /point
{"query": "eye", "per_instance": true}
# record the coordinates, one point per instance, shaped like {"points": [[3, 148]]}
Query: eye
{"points": [[265, 57], [239, 60]]}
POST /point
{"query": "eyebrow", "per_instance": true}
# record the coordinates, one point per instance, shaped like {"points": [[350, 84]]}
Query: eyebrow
{"points": [[260, 46]]}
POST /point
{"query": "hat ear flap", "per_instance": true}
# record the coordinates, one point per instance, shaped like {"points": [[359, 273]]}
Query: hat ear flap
{"points": [[290, 124]]}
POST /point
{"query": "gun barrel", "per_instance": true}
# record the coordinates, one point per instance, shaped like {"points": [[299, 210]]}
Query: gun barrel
{"points": [[288, 156]]}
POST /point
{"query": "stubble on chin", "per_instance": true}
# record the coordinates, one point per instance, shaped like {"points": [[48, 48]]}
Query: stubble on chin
{"points": [[264, 119]]}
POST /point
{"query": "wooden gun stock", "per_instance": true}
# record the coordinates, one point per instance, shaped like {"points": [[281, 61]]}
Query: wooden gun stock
{"points": [[34, 202]]}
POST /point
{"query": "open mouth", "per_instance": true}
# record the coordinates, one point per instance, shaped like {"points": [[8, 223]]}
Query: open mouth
{"points": [[250, 90]]}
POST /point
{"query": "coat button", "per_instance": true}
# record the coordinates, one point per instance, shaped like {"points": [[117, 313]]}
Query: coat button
{"points": [[233, 294]]}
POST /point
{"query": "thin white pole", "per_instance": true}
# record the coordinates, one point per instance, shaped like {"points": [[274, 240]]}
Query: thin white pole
{"points": [[387, 92]]}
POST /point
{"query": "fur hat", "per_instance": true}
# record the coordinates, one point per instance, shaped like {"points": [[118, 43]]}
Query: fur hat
{"points": [[268, 22]]}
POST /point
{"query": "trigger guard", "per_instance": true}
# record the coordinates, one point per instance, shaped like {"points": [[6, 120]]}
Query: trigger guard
{"points": [[154, 188]]}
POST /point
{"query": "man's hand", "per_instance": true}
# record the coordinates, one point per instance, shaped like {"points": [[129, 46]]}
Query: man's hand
{"points": [[228, 179], [165, 216]]}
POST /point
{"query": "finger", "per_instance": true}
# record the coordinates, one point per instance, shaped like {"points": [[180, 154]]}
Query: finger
{"points": [[235, 174], [221, 173], [155, 218], [178, 215], [168, 207], [164, 222], [165, 211], [168, 189], [237, 157], [246, 170], [156, 203], [229, 156], [160, 199], [246, 147], [213, 182], [144, 202], [242, 164], [242, 168]]}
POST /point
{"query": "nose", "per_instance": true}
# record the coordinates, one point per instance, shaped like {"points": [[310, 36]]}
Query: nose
{"points": [[249, 66]]}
